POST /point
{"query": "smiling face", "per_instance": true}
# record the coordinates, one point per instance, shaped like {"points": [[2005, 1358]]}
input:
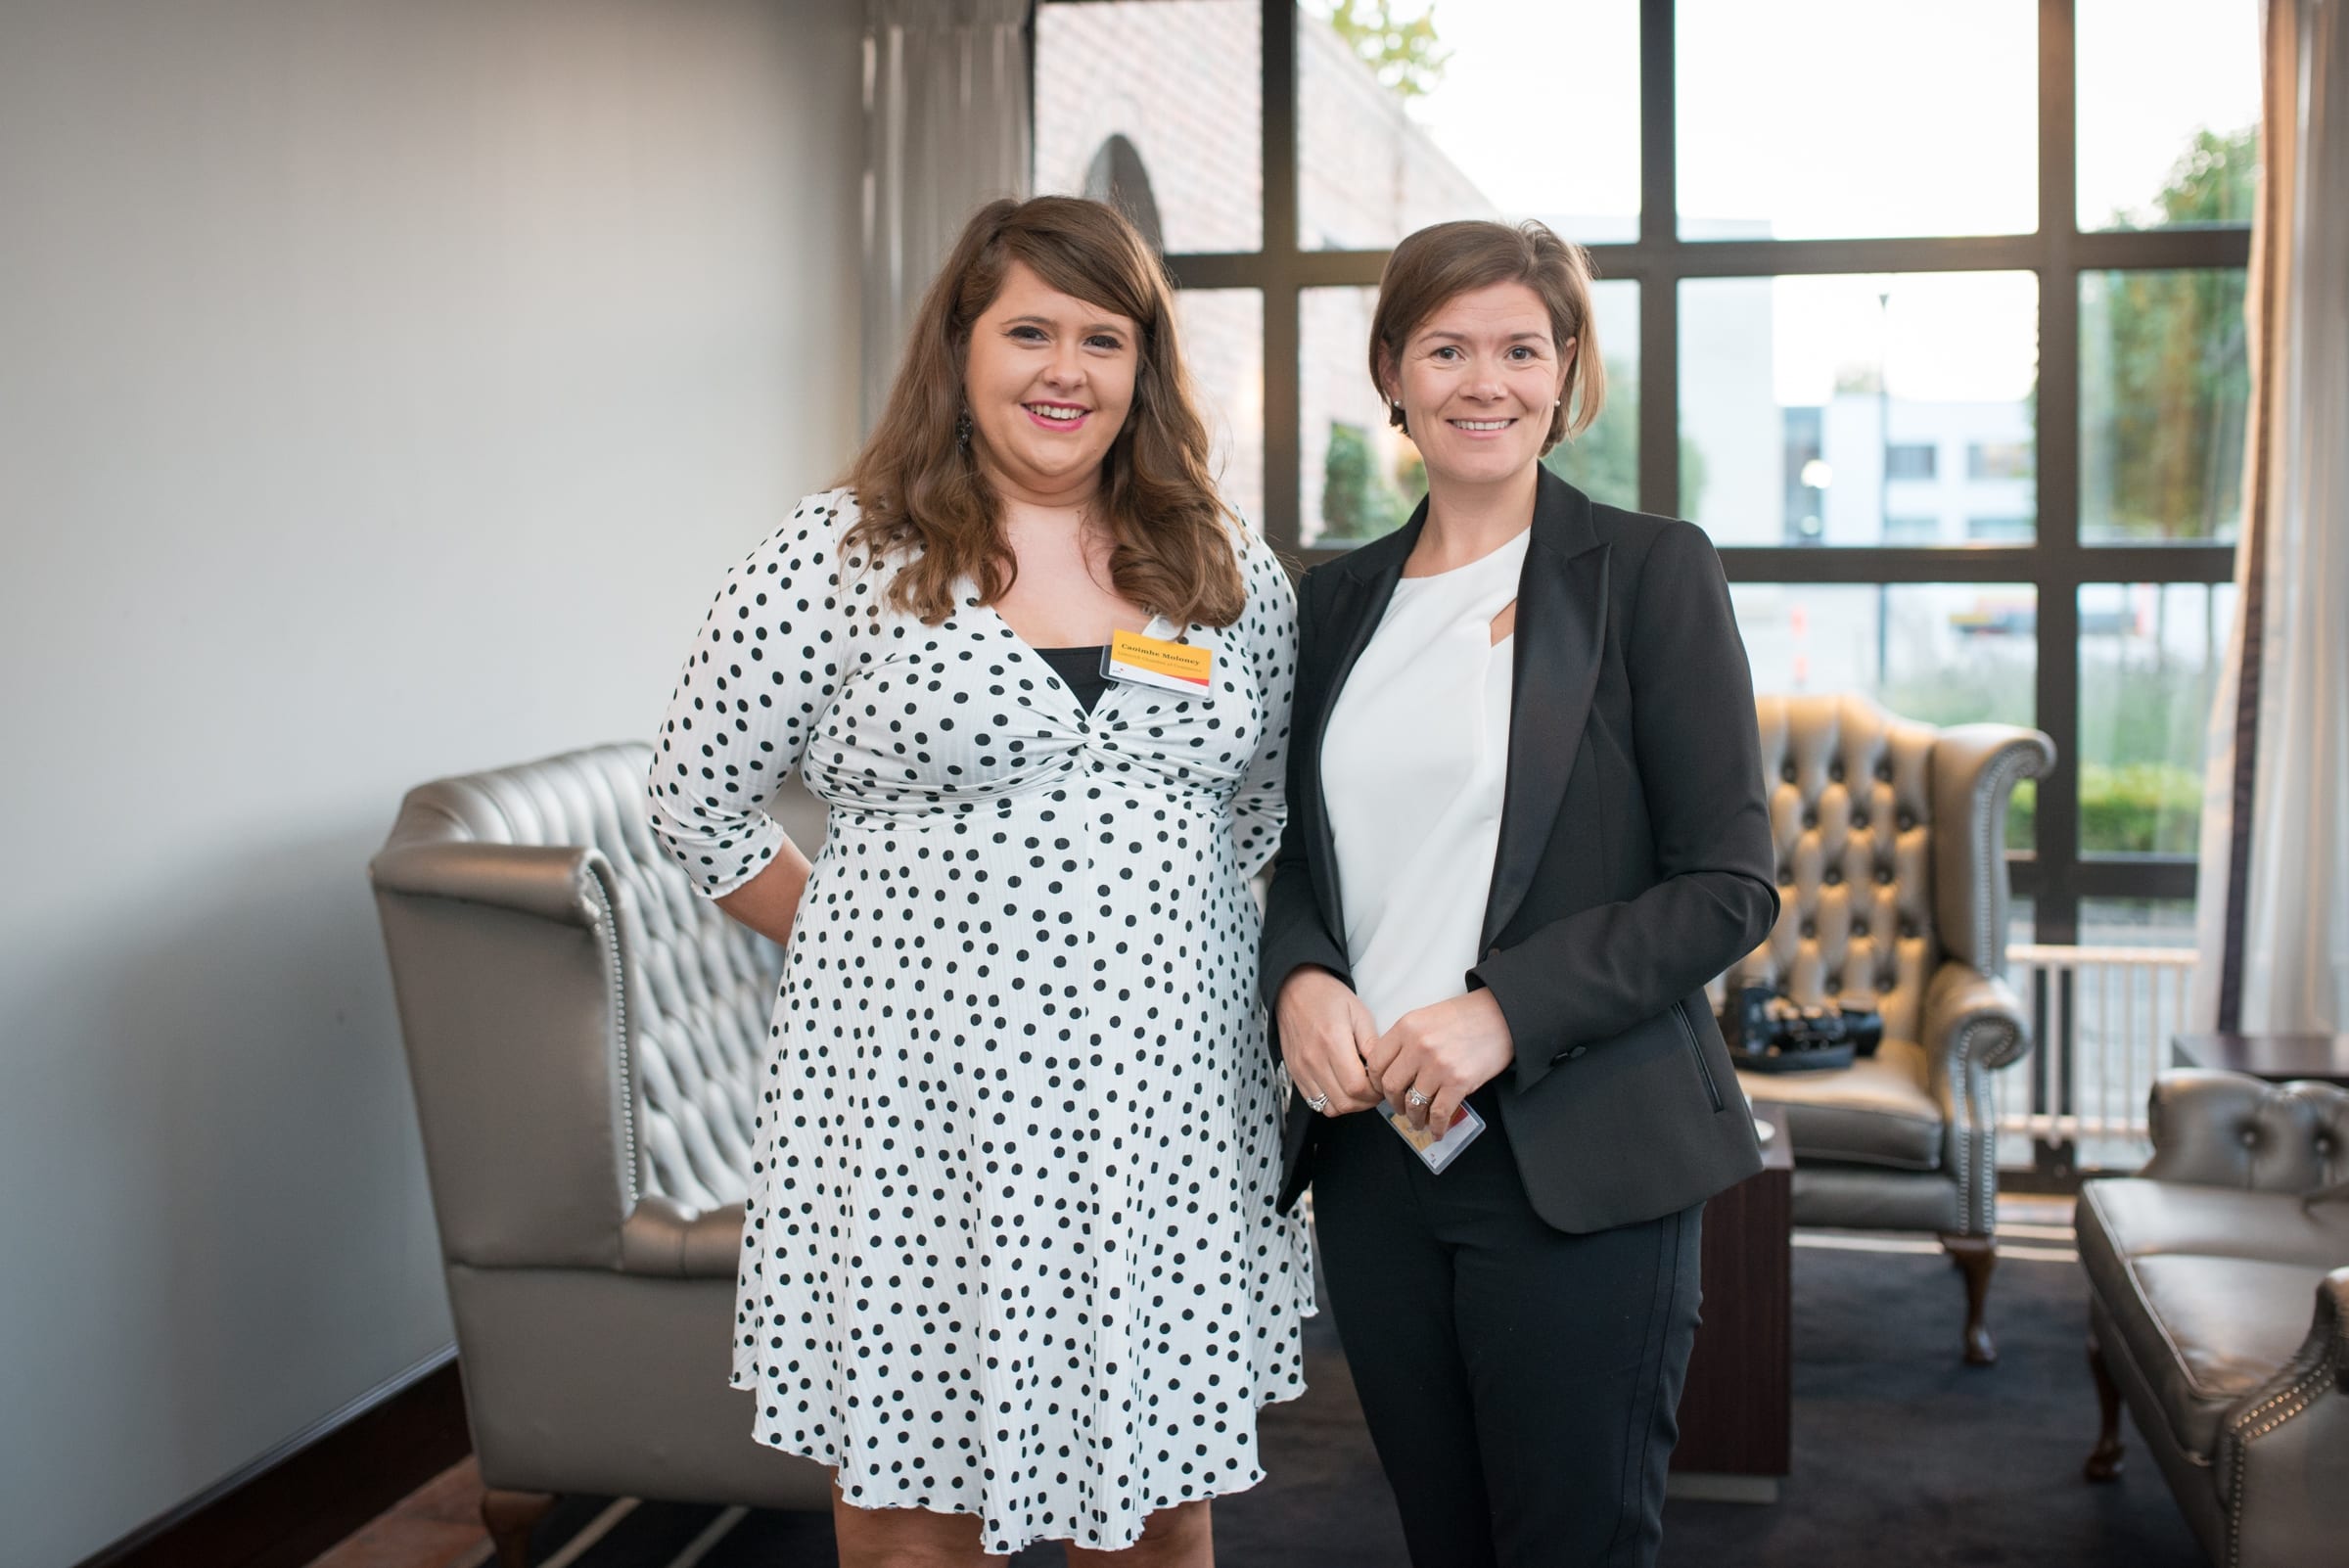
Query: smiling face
{"points": [[1048, 380], [1479, 381]]}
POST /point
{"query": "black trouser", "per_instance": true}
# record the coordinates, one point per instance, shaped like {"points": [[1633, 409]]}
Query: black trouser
{"points": [[1521, 1384]]}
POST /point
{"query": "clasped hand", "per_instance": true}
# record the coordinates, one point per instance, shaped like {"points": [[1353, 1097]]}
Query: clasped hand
{"points": [[1445, 1051]]}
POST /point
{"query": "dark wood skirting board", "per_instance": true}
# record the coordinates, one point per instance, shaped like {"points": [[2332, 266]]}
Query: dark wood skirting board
{"points": [[319, 1485]]}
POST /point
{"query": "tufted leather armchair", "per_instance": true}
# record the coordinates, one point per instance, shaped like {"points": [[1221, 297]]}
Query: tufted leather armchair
{"points": [[2200, 1270], [583, 1031], [1892, 885]]}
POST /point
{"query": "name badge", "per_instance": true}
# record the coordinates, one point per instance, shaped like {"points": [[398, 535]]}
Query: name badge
{"points": [[1148, 659], [1438, 1147]]}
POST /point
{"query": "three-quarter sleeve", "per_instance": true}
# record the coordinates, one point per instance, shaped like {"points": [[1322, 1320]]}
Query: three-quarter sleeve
{"points": [[1269, 631], [761, 676]]}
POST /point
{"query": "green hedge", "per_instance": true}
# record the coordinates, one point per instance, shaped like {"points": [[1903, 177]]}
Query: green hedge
{"points": [[2125, 808]]}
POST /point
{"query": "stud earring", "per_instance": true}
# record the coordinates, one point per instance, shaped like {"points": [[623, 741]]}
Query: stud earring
{"points": [[1395, 417]]}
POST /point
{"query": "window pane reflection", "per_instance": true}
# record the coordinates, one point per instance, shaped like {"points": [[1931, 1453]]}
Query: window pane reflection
{"points": [[2167, 111], [1842, 119], [1223, 341], [2164, 383], [2149, 659], [1392, 137], [1156, 104], [1864, 410]]}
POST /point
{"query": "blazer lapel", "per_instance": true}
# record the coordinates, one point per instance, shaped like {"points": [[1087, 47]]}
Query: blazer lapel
{"points": [[1561, 632], [1365, 581]]}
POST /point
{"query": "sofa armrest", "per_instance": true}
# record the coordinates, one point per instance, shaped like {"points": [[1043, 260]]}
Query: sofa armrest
{"points": [[506, 968], [1971, 1025], [1973, 1020], [1974, 772], [2283, 1451], [555, 882], [2230, 1130], [664, 1238]]}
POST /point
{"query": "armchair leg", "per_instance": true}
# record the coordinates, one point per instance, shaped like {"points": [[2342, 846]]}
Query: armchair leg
{"points": [[1975, 1257], [509, 1517], [2104, 1464]]}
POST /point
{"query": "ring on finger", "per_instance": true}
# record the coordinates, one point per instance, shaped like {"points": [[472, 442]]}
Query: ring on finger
{"points": [[1319, 1102], [1414, 1098]]}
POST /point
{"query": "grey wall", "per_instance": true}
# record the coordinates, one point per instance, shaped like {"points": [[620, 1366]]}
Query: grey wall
{"points": [[383, 388]]}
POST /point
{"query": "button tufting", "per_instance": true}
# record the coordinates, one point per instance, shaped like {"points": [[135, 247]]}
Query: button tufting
{"points": [[2250, 1138], [1834, 984], [1833, 879], [1810, 927], [1884, 771], [1858, 928], [1884, 874], [1905, 820], [1788, 772], [1859, 819], [1835, 772], [1811, 818]]}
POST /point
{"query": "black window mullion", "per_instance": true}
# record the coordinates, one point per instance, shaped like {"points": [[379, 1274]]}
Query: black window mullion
{"points": [[1653, 261], [2055, 905], [1277, 275]]}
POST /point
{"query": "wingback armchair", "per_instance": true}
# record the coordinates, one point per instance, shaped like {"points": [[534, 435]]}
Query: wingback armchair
{"points": [[585, 1034], [1892, 883]]}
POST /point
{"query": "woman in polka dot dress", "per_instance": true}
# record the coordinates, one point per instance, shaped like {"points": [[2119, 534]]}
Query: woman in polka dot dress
{"points": [[1011, 1264]]}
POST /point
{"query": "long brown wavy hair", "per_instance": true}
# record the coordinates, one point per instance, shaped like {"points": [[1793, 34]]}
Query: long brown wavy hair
{"points": [[920, 494]]}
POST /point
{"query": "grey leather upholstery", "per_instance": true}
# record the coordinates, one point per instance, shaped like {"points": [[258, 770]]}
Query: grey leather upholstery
{"points": [[1891, 887], [2201, 1271], [583, 1035]]}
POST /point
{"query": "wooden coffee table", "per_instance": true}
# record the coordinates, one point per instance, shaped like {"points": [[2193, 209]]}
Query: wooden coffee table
{"points": [[1737, 1410], [2277, 1058]]}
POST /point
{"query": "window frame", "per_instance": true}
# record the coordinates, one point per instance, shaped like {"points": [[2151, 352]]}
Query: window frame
{"points": [[2056, 875]]}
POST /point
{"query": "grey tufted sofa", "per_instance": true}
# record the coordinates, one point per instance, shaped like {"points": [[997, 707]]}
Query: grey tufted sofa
{"points": [[583, 1032], [2200, 1270], [1892, 885]]}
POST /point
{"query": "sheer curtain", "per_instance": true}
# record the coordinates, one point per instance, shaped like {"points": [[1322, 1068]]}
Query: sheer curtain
{"points": [[2274, 921], [945, 128]]}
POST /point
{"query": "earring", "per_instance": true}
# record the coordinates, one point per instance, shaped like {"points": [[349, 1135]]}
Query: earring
{"points": [[1395, 417], [962, 429]]}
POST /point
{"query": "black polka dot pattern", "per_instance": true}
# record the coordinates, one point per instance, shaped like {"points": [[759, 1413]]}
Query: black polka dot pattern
{"points": [[1010, 1247]]}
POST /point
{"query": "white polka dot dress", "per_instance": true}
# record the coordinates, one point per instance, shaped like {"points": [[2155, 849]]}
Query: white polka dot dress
{"points": [[1010, 1246]]}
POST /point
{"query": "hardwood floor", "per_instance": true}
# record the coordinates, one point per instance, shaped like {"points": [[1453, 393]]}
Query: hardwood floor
{"points": [[438, 1525]]}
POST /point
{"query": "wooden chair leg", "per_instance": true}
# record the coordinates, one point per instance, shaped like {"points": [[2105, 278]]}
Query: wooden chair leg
{"points": [[1975, 1257], [510, 1517], [2104, 1464]]}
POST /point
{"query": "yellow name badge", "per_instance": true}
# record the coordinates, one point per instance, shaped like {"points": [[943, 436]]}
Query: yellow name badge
{"points": [[1159, 662]]}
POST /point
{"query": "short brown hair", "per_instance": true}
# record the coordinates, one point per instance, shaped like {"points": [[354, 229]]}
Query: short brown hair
{"points": [[920, 494], [1445, 261]]}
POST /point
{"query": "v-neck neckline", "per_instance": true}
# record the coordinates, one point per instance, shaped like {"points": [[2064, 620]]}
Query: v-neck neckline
{"points": [[1028, 651]]}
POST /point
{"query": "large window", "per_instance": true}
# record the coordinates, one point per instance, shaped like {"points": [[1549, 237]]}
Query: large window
{"points": [[1931, 314]]}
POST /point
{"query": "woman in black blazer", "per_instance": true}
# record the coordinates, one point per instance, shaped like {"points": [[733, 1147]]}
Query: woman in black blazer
{"points": [[1526, 827]]}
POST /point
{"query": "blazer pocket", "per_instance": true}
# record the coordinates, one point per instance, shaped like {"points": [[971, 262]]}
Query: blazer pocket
{"points": [[1696, 1051]]}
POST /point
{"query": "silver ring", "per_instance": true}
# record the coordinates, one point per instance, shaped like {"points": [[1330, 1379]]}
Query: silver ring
{"points": [[1320, 1102], [1414, 1098]]}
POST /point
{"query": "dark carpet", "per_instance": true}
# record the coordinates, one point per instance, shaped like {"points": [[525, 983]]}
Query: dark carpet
{"points": [[1902, 1454]]}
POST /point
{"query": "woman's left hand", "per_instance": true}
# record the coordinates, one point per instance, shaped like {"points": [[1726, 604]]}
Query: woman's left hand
{"points": [[1446, 1052]]}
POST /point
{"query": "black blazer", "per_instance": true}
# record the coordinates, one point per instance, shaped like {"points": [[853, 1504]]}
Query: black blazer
{"points": [[1635, 861]]}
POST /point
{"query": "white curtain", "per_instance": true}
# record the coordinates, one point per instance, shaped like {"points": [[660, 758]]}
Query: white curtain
{"points": [[2274, 866], [945, 128]]}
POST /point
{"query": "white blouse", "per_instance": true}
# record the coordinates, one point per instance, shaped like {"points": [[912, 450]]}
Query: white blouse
{"points": [[1412, 766]]}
